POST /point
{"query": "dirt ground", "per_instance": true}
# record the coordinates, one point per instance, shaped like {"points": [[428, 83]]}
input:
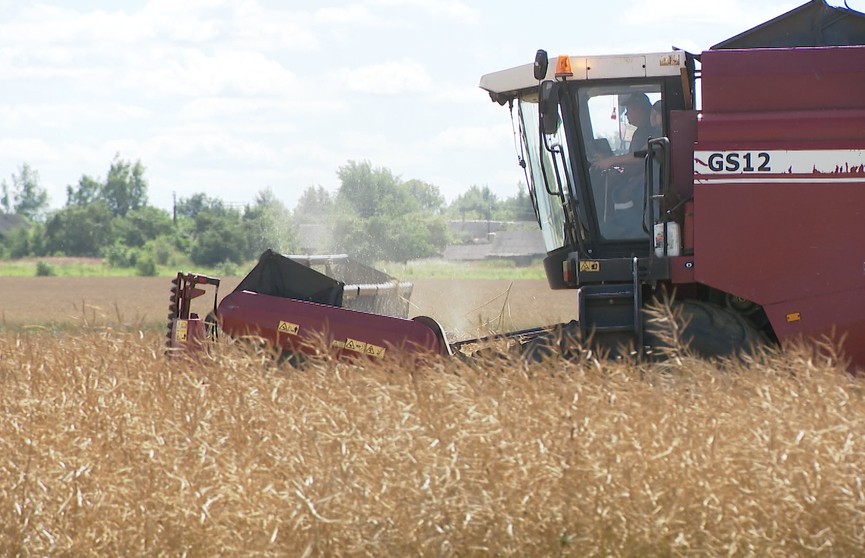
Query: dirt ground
{"points": [[464, 308]]}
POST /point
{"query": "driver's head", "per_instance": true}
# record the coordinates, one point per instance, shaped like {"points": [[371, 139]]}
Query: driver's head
{"points": [[639, 109]]}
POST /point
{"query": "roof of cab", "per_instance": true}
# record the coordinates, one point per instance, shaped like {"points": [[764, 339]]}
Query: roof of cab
{"points": [[508, 82]]}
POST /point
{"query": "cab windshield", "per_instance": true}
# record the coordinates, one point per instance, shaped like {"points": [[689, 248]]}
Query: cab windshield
{"points": [[615, 123]]}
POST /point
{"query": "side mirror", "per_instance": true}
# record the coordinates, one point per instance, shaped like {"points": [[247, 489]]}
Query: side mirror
{"points": [[542, 62], [548, 107]]}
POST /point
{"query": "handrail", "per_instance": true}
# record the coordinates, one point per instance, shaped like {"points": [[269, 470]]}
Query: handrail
{"points": [[663, 145]]}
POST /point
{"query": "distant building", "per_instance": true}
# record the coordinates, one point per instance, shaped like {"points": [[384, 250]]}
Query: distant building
{"points": [[9, 222], [520, 242], [521, 247]]}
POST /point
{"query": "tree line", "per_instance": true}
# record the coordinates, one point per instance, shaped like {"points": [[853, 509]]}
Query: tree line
{"points": [[373, 216]]}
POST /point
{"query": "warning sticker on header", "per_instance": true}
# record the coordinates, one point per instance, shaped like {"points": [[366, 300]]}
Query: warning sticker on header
{"points": [[180, 331], [365, 348]]}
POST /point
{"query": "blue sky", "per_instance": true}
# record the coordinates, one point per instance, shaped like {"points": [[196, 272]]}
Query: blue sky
{"points": [[232, 97]]}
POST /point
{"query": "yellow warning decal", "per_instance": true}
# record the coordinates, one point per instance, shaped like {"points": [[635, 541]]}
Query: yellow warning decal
{"points": [[590, 265], [337, 344], [288, 327], [374, 350], [355, 345], [365, 348], [794, 317], [180, 330]]}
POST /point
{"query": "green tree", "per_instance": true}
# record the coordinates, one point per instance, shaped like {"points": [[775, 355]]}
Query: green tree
{"points": [[475, 203], [125, 188], [429, 197], [29, 198], [419, 235], [79, 230], [26, 240], [380, 217], [214, 233], [141, 225], [518, 208], [199, 203], [368, 192], [314, 206], [269, 224], [88, 191], [220, 240], [107, 218]]}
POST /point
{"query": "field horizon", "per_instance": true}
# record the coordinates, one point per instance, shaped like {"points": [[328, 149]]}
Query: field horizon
{"points": [[465, 308]]}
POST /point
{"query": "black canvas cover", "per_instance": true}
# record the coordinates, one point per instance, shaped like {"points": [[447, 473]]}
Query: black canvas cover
{"points": [[814, 24], [277, 275]]}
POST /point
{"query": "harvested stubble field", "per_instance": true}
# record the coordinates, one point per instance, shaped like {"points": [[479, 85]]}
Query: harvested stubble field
{"points": [[465, 308], [110, 449]]}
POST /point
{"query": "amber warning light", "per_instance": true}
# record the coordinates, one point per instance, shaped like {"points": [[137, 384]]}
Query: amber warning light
{"points": [[563, 67]]}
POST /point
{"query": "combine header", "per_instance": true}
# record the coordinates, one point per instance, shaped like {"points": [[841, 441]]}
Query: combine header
{"points": [[285, 301]]}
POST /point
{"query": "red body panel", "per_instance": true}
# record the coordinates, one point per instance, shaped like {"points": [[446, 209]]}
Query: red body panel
{"points": [[837, 317], [301, 326], [788, 234], [789, 79], [771, 243]]}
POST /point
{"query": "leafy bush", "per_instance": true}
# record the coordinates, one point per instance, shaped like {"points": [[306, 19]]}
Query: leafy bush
{"points": [[227, 269], [162, 249], [119, 255], [146, 266], [44, 270]]}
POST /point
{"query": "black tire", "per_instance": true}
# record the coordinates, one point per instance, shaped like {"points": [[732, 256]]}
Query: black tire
{"points": [[706, 330]]}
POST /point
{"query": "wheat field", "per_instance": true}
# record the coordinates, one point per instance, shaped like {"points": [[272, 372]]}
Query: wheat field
{"points": [[110, 449]]}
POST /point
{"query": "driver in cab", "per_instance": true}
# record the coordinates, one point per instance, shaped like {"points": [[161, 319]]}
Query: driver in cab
{"points": [[623, 211], [639, 113]]}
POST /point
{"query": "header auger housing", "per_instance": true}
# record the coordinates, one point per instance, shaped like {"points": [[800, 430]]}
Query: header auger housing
{"points": [[301, 311]]}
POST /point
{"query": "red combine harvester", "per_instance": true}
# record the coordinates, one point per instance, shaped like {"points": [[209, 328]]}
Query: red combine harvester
{"points": [[748, 212]]}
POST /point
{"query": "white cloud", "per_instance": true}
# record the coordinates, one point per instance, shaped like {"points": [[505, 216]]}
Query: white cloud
{"points": [[192, 72], [454, 10], [27, 149], [386, 78], [674, 13], [34, 117], [356, 15], [473, 137]]}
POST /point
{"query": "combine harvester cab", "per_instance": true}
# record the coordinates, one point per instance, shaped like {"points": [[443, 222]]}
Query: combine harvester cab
{"points": [[349, 308]]}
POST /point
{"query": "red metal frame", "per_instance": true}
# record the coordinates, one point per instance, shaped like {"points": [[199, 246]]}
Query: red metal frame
{"points": [[186, 329], [306, 327]]}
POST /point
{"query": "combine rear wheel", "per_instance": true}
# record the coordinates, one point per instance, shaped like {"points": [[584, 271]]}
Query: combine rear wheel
{"points": [[707, 330]]}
